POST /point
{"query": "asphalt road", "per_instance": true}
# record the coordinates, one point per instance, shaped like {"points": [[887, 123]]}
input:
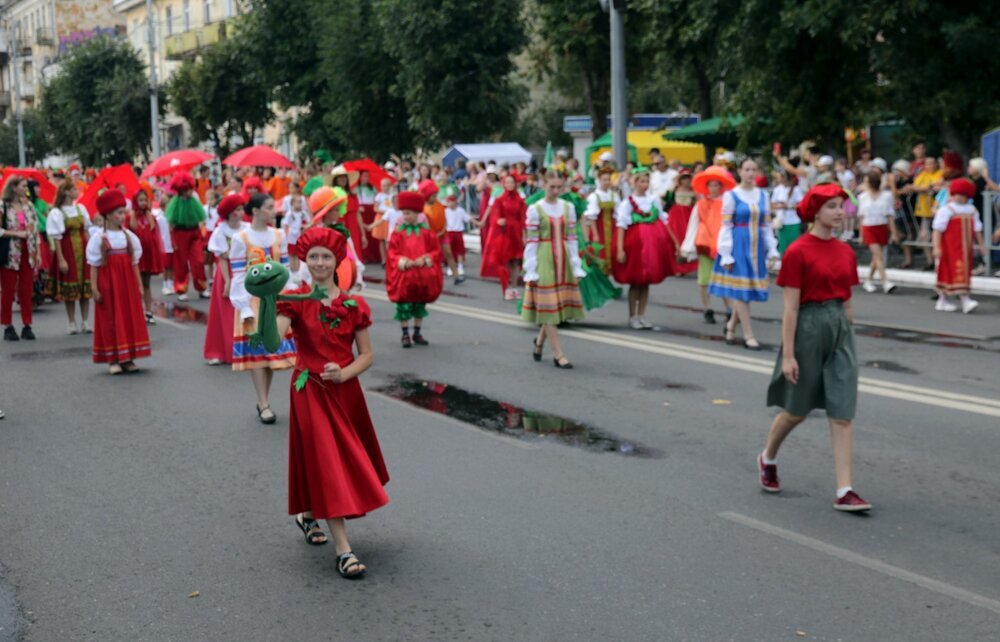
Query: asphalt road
{"points": [[122, 497]]}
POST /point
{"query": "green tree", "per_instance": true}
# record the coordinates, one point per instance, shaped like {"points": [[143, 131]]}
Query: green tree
{"points": [[97, 108], [37, 143]]}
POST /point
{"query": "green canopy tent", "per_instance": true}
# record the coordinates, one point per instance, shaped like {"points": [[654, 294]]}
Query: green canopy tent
{"points": [[721, 131], [605, 140]]}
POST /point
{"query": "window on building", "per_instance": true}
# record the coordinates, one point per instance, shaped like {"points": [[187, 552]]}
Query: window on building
{"points": [[187, 15], [228, 4], [168, 17], [208, 11]]}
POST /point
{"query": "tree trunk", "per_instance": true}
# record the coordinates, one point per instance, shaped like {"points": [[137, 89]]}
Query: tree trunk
{"points": [[704, 88], [596, 116], [953, 138]]}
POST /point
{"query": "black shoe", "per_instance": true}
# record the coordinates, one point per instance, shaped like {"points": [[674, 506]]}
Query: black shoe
{"points": [[406, 341], [420, 340], [27, 334], [563, 366], [930, 268], [10, 334], [536, 352], [710, 317], [459, 280]]}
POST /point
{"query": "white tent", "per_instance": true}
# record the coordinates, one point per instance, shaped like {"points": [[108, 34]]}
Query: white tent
{"points": [[483, 152]]}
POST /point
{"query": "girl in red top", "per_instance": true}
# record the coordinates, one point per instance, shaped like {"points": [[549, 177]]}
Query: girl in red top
{"points": [[142, 223], [413, 274], [335, 466], [816, 367]]}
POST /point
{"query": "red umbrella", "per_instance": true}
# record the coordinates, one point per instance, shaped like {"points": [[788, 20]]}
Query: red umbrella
{"points": [[110, 178], [257, 156], [375, 173], [46, 190], [171, 162]]}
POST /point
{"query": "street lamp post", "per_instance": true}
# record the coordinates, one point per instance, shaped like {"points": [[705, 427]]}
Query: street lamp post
{"points": [[12, 35], [619, 84], [154, 98]]}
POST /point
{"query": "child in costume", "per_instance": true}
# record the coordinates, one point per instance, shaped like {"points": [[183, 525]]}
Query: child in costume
{"points": [[120, 333], [784, 199], [295, 219], [456, 220], [142, 222], [255, 244], [328, 206], [599, 218], [336, 469], [956, 226], [505, 220], [700, 241], [816, 366], [366, 203], [746, 248], [434, 213], [380, 229], [221, 313], [552, 267], [70, 281], [186, 217], [642, 247], [679, 204], [168, 249], [413, 273]]}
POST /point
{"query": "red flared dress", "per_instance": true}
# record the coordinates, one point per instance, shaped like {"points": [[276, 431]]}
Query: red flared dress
{"points": [[143, 225], [120, 332], [505, 243], [415, 284], [648, 248], [350, 221], [958, 225], [335, 465], [678, 217]]}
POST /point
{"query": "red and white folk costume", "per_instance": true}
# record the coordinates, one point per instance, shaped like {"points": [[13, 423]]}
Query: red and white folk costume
{"points": [[648, 247], [956, 228], [221, 313], [600, 210]]}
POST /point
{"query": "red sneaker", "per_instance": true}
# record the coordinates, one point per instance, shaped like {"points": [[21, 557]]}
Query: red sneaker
{"points": [[768, 476], [852, 503]]}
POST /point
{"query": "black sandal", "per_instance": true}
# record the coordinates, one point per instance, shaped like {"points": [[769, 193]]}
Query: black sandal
{"points": [[563, 366], [266, 420], [311, 529], [344, 566], [536, 352]]}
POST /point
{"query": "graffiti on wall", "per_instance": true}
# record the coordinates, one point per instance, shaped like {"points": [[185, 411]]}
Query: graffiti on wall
{"points": [[66, 41]]}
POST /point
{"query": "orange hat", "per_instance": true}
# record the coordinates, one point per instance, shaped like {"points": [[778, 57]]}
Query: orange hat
{"points": [[322, 237], [816, 197], [230, 204], [325, 199], [963, 187], [109, 201], [412, 201], [712, 173]]}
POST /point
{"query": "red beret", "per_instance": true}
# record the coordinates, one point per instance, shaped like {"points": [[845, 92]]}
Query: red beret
{"points": [[110, 200], [963, 187], [182, 182], [411, 201], [253, 181], [322, 237], [230, 204], [427, 189], [816, 197], [760, 181]]}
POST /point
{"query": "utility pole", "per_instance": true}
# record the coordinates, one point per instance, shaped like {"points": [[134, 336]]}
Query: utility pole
{"points": [[154, 98], [619, 84], [18, 114]]}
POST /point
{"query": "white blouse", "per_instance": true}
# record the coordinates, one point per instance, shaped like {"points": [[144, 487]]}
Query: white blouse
{"points": [[264, 239], [164, 227], [222, 237], [943, 216], [748, 196], [875, 210], [623, 213], [55, 224], [117, 241], [594, 202], [559, 209]]}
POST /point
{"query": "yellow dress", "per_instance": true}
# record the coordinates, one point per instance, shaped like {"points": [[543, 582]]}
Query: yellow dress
{"points": [[925, 201]]}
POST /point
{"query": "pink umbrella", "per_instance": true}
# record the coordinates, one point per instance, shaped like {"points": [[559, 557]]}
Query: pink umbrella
{"points": [[257, 156], [178, 161]]}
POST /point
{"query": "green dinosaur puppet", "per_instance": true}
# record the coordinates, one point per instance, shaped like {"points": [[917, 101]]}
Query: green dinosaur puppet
{"points": [[265, 281]]}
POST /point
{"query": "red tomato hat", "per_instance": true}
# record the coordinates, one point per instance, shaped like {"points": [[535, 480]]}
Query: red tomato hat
{"points": [[816, 197]]}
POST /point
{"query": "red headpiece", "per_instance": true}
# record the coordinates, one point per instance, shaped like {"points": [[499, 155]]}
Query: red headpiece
{"points": [[323, 237], [963, 187], [182, 182], [427, 189], [816, 197], [110, 200], [412, 201], [230, 204]]}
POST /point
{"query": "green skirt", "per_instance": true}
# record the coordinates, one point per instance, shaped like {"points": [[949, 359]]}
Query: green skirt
{"points": [[787, 236], [828, 369], [596, 289]]}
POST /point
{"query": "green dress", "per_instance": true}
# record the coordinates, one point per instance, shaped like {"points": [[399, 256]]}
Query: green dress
{"points": [[555, 297]]}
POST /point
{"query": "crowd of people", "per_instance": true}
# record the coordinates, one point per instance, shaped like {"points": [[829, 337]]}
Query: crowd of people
{"points": [[282, 254]]}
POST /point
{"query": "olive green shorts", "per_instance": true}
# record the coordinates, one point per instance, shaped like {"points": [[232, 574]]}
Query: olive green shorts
{"points": [[828, 368], [705, 264]]}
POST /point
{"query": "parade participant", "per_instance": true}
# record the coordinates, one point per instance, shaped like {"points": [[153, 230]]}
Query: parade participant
{"points": [[336, 469], [956, 226], [351, 218], [642, 247], [254, 244], [876, 213], [366, 203], [746, 247], [380, 228], [142, 222], [328, 206], [186, 215], [701, 239], [202, 184], [221, 313], [456, 220], [816, 367], [679, 205], [413, 275], [44, 248], [505, 219], [552, 266], [295, 220], [489, 188], [70, 280], [120, 334], [168, 248], [211, 202], [599, 218], [20, 257], [784, 199]]}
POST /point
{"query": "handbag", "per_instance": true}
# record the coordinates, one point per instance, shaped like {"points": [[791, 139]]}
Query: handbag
{"points": [[4, 240]]}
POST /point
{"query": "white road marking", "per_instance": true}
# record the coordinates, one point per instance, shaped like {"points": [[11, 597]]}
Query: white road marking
{"points": [[869, 385], [937, 586]]}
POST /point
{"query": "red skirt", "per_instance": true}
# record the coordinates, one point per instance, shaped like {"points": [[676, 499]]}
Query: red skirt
{"points": [[954, 270], [456, 240], [151, 261], [335, 465], [120, 332], [677, 222], [221, 320], [370, 254], [875, 234], [648, 252]]}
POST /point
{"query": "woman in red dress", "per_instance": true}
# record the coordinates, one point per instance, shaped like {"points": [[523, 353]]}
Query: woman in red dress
{"points": [[506, 245], [678, 214], [120, 334], [142, 223], [336, 471]]}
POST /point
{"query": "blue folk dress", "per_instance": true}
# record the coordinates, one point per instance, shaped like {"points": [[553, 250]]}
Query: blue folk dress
{"points": [[748, 280]]}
